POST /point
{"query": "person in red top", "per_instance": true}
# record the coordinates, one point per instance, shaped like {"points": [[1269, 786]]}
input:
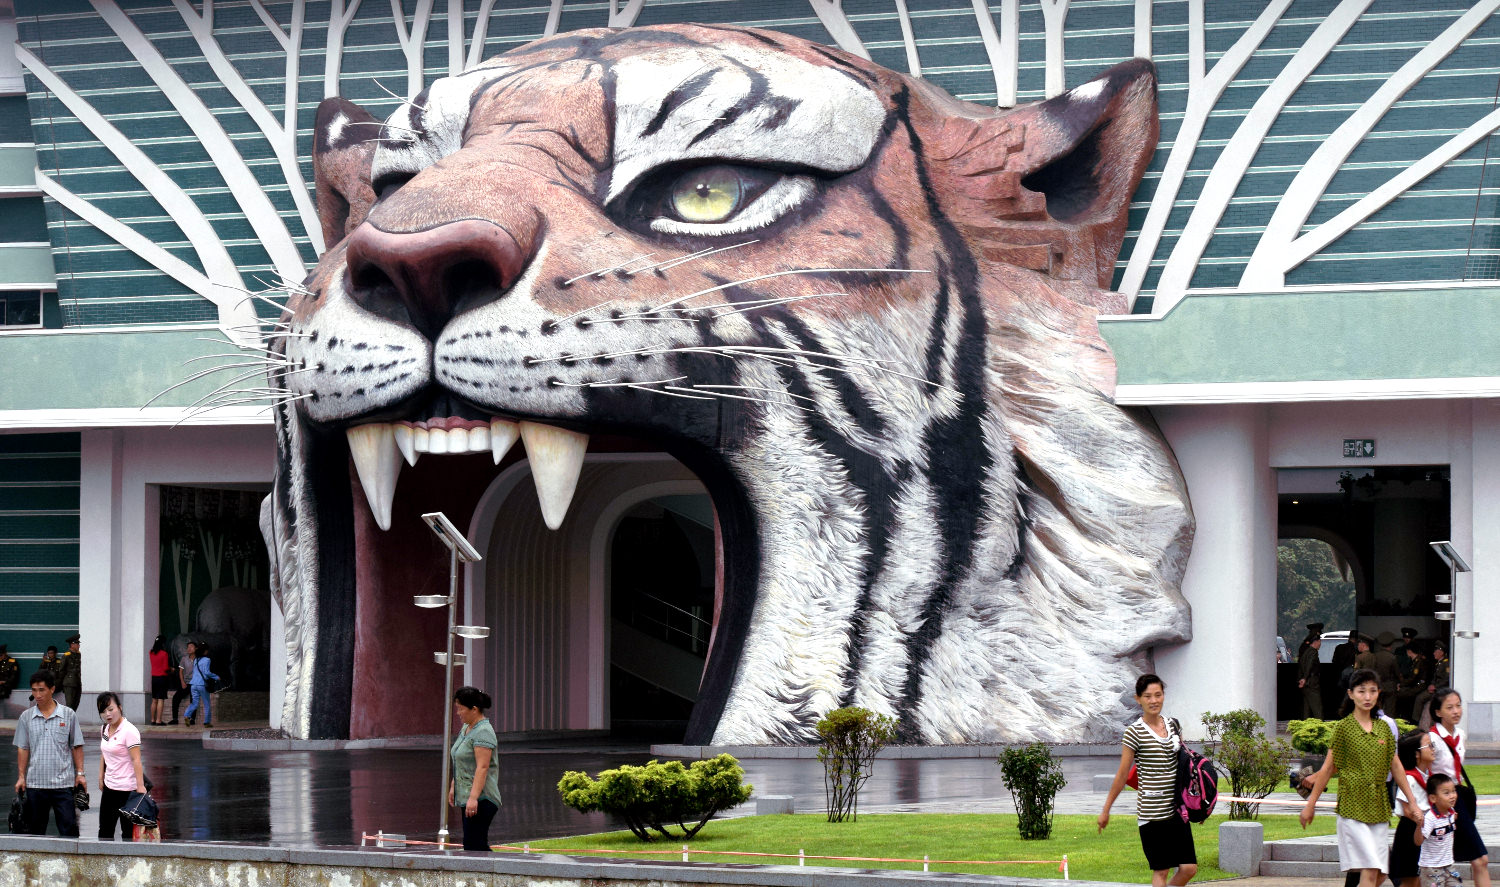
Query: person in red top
{"points": [[161, 665]]}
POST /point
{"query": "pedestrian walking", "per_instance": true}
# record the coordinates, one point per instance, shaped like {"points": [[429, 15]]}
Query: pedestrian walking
{"points": [[198, 682], [49, 759], [184, 671], [474, 776], [1438, 679], [1360, 752], [1439, 830], [70, 673], [1151, 745], [1414, 748], [161, 671], [1447, 709], [120, 771]]}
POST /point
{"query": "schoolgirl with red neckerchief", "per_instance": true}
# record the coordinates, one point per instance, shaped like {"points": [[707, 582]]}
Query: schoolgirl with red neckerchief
{"points": [[1447, 709], [1415, 751]]}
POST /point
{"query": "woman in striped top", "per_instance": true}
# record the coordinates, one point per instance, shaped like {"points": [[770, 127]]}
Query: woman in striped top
{"points": [[1150, 745]]}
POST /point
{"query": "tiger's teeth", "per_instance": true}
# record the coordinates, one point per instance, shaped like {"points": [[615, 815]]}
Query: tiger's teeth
{"points": [[437, 441], [406, 442], [377, 462], [419, 438], [556, 456], [503, 436], [478, 440]]}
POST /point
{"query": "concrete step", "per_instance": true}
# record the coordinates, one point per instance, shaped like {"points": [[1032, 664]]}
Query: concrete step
{"points": [[1288, 868], [1285, 868], [1302, 851]]}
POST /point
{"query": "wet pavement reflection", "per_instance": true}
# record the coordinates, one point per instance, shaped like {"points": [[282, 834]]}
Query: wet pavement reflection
{"points": [[327, 798]]}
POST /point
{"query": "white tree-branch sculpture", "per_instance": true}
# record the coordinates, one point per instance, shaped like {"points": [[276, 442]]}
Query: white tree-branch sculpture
{"points": [[1233, 161], [1273, 254], [1202, 98], [281, 135]]}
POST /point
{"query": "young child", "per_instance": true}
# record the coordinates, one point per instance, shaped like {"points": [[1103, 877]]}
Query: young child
{"points": [[1436, 835]]}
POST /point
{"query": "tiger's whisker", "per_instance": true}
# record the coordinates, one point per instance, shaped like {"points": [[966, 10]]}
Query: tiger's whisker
{"points": [[664, 262], [385, 89], [706, 253], [742, 307], [558, 384], [623, 264], [774, 274], [668, 393], [198, 375], [584, 311], [761, 388], [751, 399], [626, 317]]}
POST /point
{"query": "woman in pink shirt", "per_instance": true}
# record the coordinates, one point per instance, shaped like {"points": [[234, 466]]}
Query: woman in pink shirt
{"points": [[120, 770]]}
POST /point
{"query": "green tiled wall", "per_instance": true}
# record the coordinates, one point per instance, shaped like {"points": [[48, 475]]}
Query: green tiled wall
{"points": [[39, 476], [1447, 228]]}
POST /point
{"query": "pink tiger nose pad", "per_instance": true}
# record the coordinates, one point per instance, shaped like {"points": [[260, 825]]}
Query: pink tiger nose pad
{"points": [[429, 275]]}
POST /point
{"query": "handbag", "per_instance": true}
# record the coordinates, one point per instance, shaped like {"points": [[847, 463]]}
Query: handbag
{"points": [[17, 821], [80, 797], [139, 808], [210, 683]]}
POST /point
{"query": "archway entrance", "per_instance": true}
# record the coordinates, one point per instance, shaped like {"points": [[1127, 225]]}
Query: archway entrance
{"points": [[1354, 556], [661, 592], [546, 594]]}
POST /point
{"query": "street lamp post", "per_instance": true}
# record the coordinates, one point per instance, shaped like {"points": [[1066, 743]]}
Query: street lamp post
{"points": [[459, 549]]}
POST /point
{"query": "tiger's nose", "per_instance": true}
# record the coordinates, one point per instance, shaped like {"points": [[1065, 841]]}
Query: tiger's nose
{"points": [[432, 274]]}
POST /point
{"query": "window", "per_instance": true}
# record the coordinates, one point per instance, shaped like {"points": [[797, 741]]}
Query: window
{"points": [[22, 308]]}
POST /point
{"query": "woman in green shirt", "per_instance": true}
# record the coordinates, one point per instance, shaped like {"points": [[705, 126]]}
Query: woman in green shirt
{"points": [[474, 776], [1362, 751]]}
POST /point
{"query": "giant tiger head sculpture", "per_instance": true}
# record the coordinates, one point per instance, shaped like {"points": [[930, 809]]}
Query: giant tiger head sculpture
{"points": [[863, 312]]}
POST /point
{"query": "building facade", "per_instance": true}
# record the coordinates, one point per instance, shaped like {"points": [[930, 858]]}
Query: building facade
{"points": [[1312, 266]]}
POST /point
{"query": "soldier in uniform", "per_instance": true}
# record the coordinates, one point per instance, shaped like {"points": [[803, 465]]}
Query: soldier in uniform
{"points": [[70, 674], [1308, 676], [1389, 671], [10, 673]]}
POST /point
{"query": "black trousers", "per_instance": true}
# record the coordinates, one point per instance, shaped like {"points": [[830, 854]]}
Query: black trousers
{"points": [[477, 827], [59, 801], [109, 814], [181, 694]]}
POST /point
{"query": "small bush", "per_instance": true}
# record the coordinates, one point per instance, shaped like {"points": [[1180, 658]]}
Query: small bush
{"points": [[1033, 777], [1256, 765], [849, 739], [656, 796], [1312, 735]]}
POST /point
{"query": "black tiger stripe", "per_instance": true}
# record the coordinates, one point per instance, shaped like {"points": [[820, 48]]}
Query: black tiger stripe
{"points": [[959, 462], [680, 95], [759, 91]]}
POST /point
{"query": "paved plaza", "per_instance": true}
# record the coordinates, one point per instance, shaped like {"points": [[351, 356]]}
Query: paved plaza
{"points": [[328, 798]]}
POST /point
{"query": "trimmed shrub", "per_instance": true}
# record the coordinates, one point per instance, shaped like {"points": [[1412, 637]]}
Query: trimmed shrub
{"points": [[1033, 777], [1312, 735], [1255, 765], [657, 796], [849, 738]]}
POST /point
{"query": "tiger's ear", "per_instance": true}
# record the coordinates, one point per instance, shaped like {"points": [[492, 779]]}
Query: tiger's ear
{"points": [[344, 140], [1055, 178]]}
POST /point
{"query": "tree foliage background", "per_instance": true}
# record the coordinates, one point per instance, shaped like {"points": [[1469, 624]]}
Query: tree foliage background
{"points": [[1309, 588]]}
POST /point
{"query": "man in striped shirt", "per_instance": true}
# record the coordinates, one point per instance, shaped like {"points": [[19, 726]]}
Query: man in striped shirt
{"points": [[49, 759]]}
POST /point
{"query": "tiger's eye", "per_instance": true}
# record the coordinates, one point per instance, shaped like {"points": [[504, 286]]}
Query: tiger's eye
{"points": [[707, 194]]}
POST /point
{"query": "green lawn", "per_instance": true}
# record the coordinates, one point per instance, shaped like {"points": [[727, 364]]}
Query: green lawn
{"points": [[1486, 778], [1113, 856]]}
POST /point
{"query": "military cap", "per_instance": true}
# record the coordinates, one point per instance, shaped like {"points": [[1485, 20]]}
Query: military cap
{"points": [[1408, 632], [1385, 637], [1315, 628], [73, 639]]}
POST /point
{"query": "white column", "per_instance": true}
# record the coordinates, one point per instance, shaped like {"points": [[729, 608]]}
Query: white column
{"points": [[101, 464], [1231, 574], [1476, 534]]}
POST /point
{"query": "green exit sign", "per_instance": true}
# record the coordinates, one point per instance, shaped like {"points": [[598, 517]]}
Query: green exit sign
{"points": [[1359, 449]]}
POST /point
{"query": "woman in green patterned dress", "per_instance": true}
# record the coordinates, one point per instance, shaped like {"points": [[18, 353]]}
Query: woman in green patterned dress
{"points": [[1362, 751]]}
